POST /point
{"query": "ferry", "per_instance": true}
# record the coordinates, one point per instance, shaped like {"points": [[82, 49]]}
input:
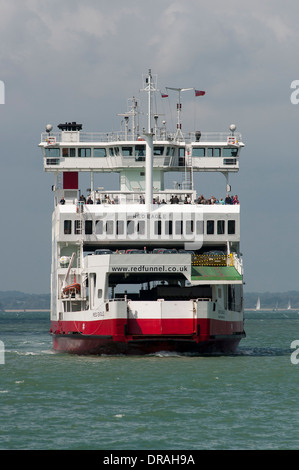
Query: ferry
{"points": [[145, 267]]}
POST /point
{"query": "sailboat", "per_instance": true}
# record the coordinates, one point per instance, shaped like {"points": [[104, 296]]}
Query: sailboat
{"points": [[258, 304]]}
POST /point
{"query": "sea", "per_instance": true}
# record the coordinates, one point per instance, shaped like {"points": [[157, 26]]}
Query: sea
{"points": [[158, 402]]}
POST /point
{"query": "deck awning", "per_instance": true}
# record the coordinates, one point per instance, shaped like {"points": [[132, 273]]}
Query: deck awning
{"points": [[216, 275]]}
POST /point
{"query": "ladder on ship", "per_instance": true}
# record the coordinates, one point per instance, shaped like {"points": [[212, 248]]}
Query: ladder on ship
{"points": [[188, 183]]}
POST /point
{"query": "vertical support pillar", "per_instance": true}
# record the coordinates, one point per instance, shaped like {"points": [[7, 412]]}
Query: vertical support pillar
{"points": [[149, 170]]}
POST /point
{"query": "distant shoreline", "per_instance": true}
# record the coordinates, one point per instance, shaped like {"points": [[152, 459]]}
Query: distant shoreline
{"points": [[27, 310]]}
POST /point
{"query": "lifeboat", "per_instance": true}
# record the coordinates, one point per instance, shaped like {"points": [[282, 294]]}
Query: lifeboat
{"points": [[75, 287], [71, 288]]}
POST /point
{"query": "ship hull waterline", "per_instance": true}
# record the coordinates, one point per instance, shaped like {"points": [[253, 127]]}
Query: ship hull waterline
{"points": [[82, 345], [201, 342]]}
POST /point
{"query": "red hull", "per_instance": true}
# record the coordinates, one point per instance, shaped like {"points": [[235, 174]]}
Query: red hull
{"points": [[121, 337]]}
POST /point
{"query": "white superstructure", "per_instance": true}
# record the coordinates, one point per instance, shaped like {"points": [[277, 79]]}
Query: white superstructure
{"points": [[138, 291]]}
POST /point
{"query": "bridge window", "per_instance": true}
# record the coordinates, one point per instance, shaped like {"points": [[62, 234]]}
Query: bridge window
{"points": [[170, 151], [127, 151], [84, 152], [139, 153], [68, 152], [158, 151], [99, 152], [198, 152], [214, 152], [52, 152], [230, 152]]}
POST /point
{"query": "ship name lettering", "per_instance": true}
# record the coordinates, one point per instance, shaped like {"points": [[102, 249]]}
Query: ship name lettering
{"points": [[98, 314], [179, 459]]}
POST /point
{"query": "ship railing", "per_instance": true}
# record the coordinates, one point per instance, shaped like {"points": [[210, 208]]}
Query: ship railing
{"points": [[237, 263], [79, 136], [167, 196], [207, 259]]}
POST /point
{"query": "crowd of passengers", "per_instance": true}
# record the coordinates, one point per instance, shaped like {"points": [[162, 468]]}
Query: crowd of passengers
{"points": [[173, 200]]}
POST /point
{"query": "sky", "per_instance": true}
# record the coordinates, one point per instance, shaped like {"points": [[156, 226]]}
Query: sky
{"points": [[81, 61]]}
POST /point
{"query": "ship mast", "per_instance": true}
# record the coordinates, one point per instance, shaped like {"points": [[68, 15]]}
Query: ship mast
{"points": [[127, 115], [179, 135], [149, 86]]}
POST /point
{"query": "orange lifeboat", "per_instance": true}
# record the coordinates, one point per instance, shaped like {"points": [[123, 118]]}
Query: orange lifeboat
{"points": [[71, 288]]}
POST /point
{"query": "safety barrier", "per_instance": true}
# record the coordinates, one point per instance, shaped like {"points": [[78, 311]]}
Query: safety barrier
{"points": [[207, 259]]}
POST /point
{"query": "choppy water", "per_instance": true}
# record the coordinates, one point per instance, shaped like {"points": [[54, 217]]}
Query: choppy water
{"points": [[158, 402]]}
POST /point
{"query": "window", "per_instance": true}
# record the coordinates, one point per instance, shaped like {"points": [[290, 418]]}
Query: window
{"points": [[157, 228], [198, 152], [229, 161], [141, 227], [189, 227], [231, 227], [130, 227], [78, 227], [84, 152], [199, 227], [88, 227], [68, 152], [220, 227], [170, 151], [99, 227], [168, 227], [140, 153], [210, 227], [127, 151], [109, 227], [158, 151], [99, 152], [179, 227], [52, 152], [67, 227], [229, 152], [214, 152], [120, 227]]}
